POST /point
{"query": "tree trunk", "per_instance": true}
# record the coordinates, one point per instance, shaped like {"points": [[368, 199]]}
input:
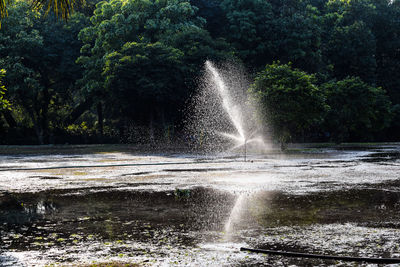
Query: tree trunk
{"points": [[44, 121], [78, 111], [36, 126], [100, 120], [9, 118], [164, 126], [151, 128]]}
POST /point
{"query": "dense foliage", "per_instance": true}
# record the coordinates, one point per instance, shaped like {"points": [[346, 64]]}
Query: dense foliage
{"points": [[291, 103], [122, 70], [358, 111], [61, 8], [144, 55], [4, 104]]}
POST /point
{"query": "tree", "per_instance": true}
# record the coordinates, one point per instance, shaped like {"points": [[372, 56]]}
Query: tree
{"points": [[248, 28], [212, 12], [60, 49], [290, 102], [264, 31], [171, 30], [358, 110], [197, 46], [4, 104], [135, 78], [296, 34], [349, 43], [62, 8], [36, 52], [18, 40], [361, 39], [386, 28]]}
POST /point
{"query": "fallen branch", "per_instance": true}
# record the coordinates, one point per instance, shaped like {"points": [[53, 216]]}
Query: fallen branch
{"points": [[325, 257]]}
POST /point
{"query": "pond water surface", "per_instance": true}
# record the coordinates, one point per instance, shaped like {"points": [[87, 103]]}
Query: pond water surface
{"points": [[178, 209]]}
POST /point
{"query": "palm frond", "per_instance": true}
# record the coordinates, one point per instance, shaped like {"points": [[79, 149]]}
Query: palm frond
{"points": [[61, 8], [3, 8]]}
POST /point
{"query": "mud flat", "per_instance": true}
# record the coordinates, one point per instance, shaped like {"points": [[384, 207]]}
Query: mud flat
{"points": [[185, 209]]}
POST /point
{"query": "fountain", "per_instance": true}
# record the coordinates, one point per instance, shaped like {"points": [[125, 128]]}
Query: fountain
{"points": [[222, 116]]}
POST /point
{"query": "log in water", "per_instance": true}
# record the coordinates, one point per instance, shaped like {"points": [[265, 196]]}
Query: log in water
{"points": [[324, 257]]}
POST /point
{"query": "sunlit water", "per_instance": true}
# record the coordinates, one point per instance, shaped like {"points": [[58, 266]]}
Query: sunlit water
{"points": [[345, 202]]}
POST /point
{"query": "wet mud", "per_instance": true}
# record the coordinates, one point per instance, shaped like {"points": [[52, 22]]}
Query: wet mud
{"points": [[338, 204]]}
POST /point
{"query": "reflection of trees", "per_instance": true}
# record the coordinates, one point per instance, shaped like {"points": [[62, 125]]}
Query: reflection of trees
{"points": [[208, 209], [14, 210], [361, 206]]}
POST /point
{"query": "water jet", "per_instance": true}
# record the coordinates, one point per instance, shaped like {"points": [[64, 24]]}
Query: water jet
{"points": [[224, 112]]}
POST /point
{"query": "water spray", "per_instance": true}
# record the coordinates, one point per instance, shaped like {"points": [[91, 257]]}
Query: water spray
{"points": [[245, 150], [223, 109]]}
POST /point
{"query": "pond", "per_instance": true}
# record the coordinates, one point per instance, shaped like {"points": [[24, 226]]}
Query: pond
{"points": [[78, 207]]}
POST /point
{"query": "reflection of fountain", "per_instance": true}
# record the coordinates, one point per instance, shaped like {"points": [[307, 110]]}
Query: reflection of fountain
{"points": [[234, 216], [222, 114]]}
